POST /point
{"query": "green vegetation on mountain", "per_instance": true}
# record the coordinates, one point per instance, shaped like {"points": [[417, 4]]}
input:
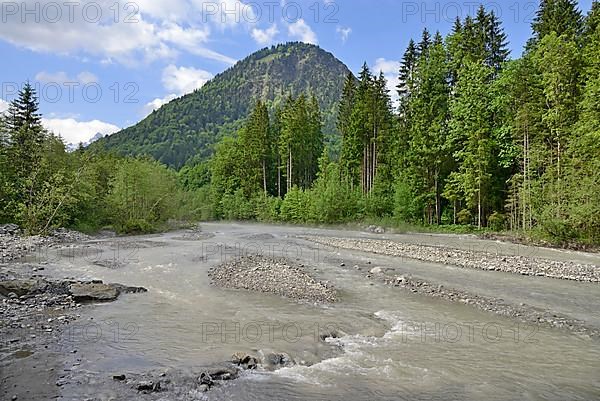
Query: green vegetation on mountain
{"points": [[190, 125]]}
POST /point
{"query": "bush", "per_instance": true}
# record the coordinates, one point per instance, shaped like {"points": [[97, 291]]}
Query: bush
{"points": [[266, 208], [464, 217], [497, 221], [296, 206], [406, 205], [236, 207]]}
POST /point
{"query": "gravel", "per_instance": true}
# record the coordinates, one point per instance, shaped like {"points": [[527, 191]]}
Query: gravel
{"points": [[13, 245], [523, 265], [272, 275], [526, 314]]}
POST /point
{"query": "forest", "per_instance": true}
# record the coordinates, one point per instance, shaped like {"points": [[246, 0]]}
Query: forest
{"points": [[478, 141]]}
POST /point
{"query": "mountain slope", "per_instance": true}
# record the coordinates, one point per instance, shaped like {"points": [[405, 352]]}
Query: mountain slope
{"points": [[188, 126]]}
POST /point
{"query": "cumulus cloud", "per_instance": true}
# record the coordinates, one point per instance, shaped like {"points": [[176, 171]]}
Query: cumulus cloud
{"points": [[178, 81], [302, 31], [182, 80], [73, 131], [390, 69], [344, 33], [139, 32], [265, 36], [157, 104], [62, 77]]}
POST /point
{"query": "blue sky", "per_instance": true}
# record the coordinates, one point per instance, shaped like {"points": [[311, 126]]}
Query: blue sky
{"points": [[102, 65]]}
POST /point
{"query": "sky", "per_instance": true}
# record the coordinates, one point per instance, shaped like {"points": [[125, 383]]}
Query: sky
{"points": [[103, 65]]}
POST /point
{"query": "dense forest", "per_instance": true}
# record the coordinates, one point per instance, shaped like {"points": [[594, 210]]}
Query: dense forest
{"points": [[185, 130], [478, 141]]}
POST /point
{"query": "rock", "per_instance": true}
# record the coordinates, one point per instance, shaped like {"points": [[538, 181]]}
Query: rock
{"points": [[245, 361], [203, 388], [205, 378], [21, 287], [120, 377], [83, 292], [376, 270], [124, 289], [145, 386], [223, 373], [9, 229], [278, 360]]}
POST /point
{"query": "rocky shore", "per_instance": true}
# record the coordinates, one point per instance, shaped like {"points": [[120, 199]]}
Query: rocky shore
{"points": [[272, 275], [30, 302], [15, 246], [522, 265]]}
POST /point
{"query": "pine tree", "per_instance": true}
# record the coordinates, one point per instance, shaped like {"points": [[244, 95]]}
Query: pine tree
{"points": [[255, 141], [428, 129], [23, 125], [407, 68], [496, 43], [471, 136], [424, 43], [559, 16]]}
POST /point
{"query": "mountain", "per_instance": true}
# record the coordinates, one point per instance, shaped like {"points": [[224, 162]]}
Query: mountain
{"points": [[71, 147], [189, 126]]}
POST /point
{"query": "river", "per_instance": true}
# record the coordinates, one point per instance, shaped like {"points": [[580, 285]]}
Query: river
{"points": [[392, 344]]}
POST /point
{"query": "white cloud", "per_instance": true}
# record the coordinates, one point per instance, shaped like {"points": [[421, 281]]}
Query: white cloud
{"points": [[157, 31], [3, 105], [390, 69], [177, 81], [265, 36], [301, 31], [61, 77], [73, 131], [344, 33], [182, 80], [157, 104]]}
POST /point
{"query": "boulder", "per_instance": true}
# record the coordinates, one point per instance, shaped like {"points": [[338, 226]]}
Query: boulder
{"points": [[278, 360], [376, 270], [93, 292], [22, 287]]}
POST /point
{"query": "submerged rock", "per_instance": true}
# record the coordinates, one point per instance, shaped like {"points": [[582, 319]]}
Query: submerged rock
{"points": [[83, 292]]}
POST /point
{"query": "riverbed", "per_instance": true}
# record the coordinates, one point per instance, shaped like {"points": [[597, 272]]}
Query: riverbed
{"points": [[389, 343]]}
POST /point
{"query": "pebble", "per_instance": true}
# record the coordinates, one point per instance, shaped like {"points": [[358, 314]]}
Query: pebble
{"points": [[470, 259], [272, 275]]}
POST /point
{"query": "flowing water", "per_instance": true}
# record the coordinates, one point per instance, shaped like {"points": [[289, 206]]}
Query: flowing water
{"points": [[393, 344]]}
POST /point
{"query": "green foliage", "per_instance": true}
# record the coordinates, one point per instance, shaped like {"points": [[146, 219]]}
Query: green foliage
{"points": [[465, 217], [296, 206], [497, 221], [190, 125], [141, 195]]}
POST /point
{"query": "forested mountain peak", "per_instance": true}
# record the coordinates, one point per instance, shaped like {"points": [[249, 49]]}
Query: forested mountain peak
{"points": [[189, 126]]}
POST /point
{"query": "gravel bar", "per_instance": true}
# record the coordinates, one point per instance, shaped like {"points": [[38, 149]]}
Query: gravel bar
{"points": [[272, 275], [523, 265]]}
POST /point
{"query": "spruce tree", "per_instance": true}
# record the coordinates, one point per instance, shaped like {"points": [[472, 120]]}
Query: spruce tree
{"points": [[559, 16]]}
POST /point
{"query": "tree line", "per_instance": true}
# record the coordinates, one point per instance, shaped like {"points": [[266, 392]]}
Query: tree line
{"points": [[42, 186], [477, 140]]}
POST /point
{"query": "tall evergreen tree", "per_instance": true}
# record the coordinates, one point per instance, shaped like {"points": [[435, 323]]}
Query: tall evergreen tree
{"points": [[559, 16]]}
